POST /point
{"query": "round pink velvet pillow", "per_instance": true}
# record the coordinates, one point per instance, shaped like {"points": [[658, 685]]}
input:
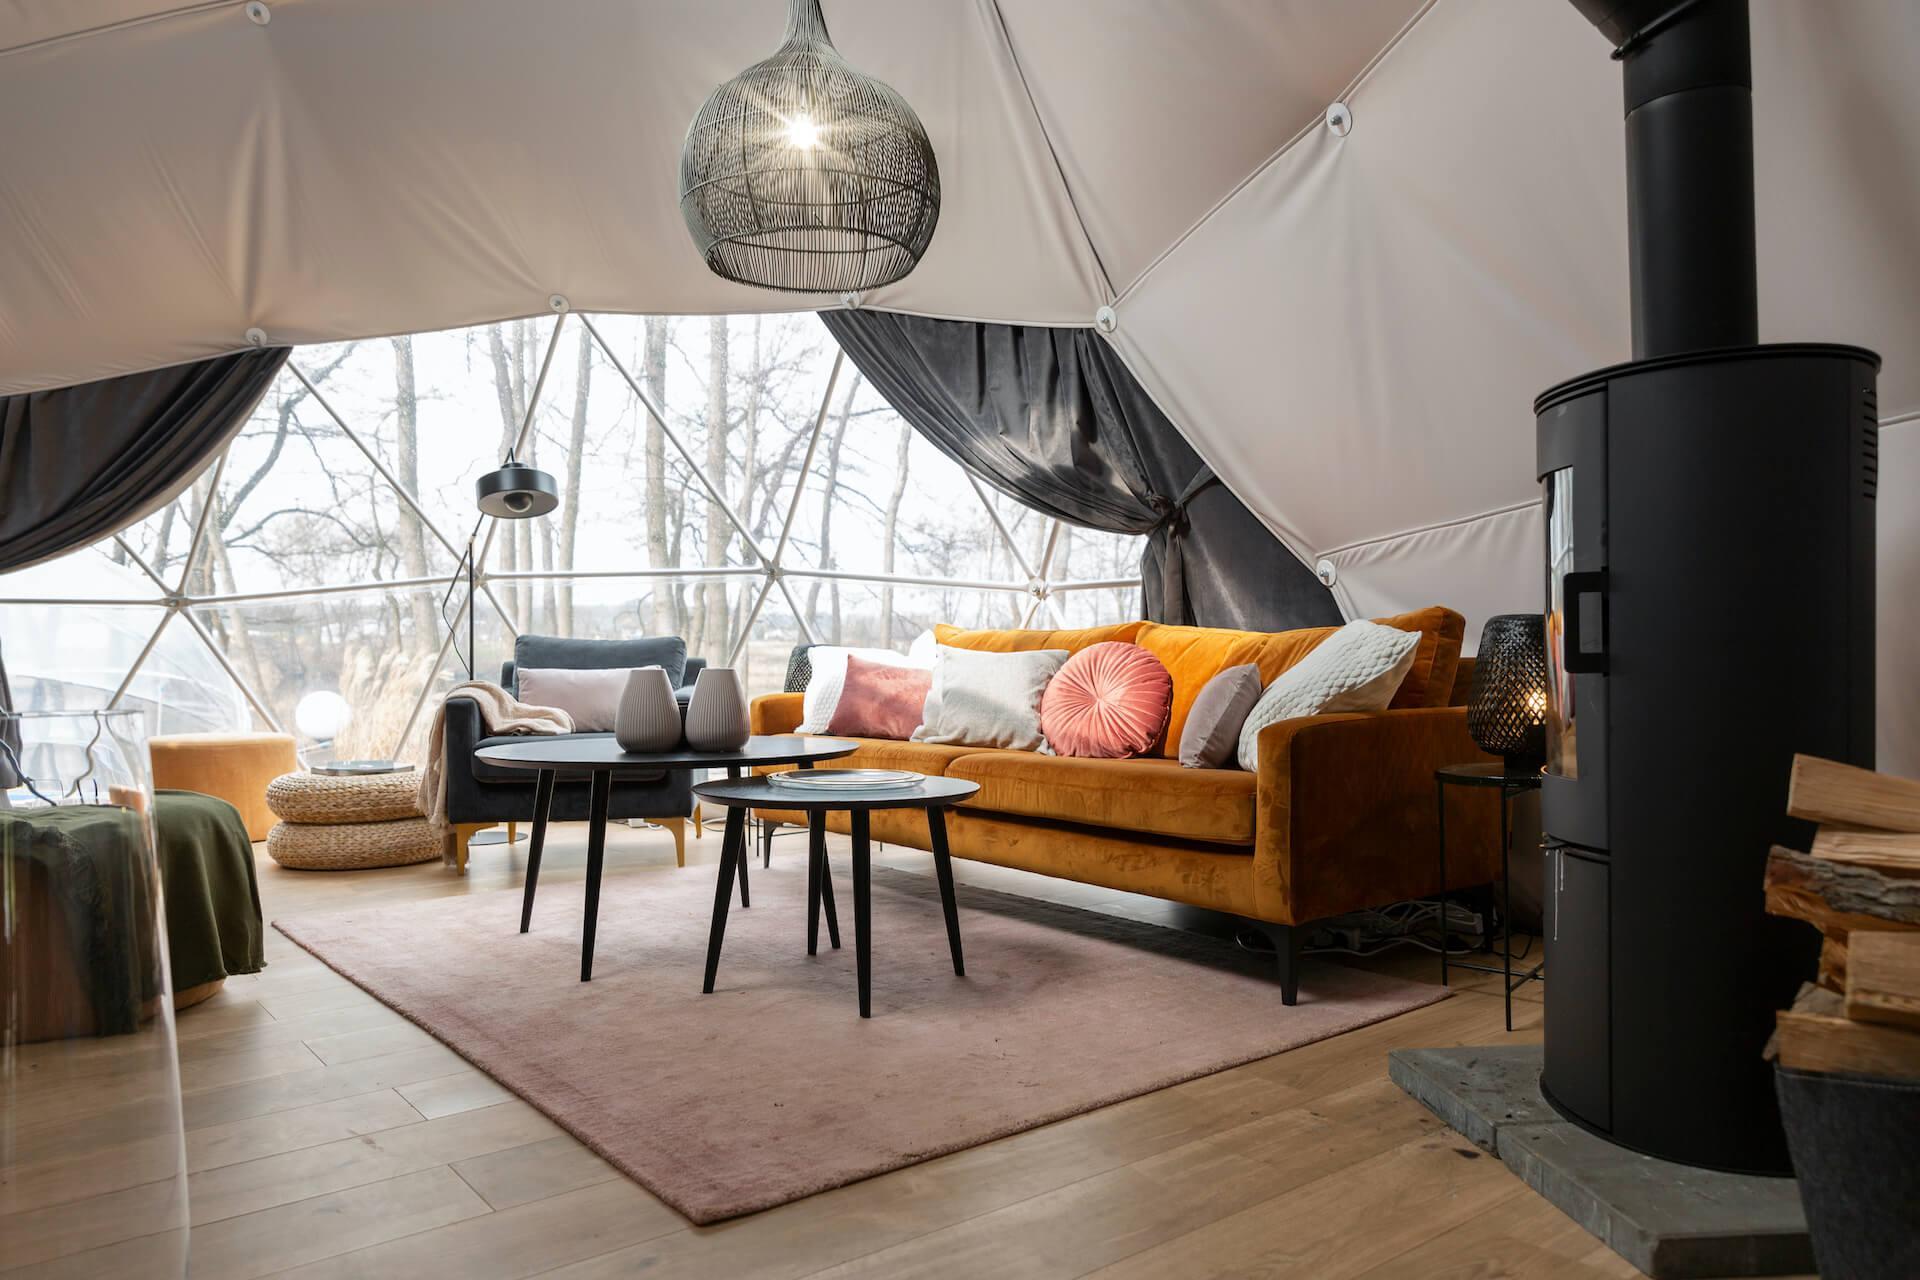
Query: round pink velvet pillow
{"points": [[1108, 700]]}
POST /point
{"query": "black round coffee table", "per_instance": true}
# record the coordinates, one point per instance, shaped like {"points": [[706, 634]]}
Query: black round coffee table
{"points": [[603, 760], [934, 794]]}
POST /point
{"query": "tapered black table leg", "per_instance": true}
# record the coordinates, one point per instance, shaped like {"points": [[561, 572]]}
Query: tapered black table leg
{"points": [[742, 855], [1440, 790], [943, 871], [1506, 908], [826, 895], [816, 848], [730, 845], [596, 856], [862, 909], [542, 802]]}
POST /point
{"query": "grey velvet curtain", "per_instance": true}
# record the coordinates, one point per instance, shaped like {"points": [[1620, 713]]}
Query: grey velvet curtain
{"points": [[80, 463], [1052, 418]]}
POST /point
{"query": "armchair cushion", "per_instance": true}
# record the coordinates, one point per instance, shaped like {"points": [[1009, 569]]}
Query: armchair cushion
{"points": [[669, 653]]}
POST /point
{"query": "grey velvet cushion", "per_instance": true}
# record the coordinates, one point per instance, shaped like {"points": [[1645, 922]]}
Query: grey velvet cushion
{"points": [[669, 653], [1213, 725]]}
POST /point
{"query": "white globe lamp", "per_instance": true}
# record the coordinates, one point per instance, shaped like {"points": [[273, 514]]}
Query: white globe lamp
{"points": [[322, 715]]}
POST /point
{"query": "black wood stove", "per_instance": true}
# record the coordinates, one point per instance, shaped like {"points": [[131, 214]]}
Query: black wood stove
{"points": [[1710, 558]]}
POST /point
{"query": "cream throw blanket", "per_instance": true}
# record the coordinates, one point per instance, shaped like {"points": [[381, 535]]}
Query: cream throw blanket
{"points": [[500, 713]]}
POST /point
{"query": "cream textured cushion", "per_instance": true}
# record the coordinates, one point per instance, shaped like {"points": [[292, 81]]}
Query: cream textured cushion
{"points": [[1357, 668], [829, 677], [591, 696], [982, 699]]}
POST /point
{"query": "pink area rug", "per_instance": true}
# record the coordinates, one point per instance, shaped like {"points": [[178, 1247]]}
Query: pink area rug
{"points": [[773, 1088]]}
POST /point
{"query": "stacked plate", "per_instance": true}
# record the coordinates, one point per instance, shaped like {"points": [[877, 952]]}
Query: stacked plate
{"points": [[845, 779]]}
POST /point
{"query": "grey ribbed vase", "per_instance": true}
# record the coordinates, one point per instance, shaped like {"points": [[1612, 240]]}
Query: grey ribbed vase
{"points": [[648, 718], [717, 716]]}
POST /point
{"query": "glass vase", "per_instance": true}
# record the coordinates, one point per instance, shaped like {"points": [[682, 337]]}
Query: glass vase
{"points": [[92, 1144]]}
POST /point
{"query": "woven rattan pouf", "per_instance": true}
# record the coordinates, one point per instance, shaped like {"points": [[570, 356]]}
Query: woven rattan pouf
{"points": [[318, 799], [348, 823], [352, 846]]}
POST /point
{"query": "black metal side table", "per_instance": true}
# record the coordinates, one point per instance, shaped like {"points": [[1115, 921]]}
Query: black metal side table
{"points": [[1510, 784], [933, 794]]}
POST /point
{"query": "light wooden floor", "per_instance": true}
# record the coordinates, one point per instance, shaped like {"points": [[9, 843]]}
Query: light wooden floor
{"points": [[329, 1137]]}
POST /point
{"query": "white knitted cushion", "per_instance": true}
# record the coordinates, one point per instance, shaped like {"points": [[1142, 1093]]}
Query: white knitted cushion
{"points": [[1357, 668], [830, 678], [982, 699]]}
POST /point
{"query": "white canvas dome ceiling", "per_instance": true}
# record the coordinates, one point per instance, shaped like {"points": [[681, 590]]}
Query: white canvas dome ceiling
{"points": [[1350, 329]]}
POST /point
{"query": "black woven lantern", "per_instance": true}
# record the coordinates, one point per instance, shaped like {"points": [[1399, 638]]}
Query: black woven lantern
{"points": [[802, 174], [1507, 701]]}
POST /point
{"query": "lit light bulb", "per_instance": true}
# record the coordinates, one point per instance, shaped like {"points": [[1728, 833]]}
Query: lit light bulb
{"points": [[802, 132], [1537, 704], [322, 715]]}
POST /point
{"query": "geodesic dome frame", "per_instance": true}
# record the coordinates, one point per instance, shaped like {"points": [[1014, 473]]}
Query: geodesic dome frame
{"points": [[773, 567]]}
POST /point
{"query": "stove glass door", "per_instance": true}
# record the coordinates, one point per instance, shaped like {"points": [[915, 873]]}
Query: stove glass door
{"points": [[1563, 757]]}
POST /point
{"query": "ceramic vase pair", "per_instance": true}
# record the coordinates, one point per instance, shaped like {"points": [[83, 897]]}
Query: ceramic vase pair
{"points": [[648, 718]]}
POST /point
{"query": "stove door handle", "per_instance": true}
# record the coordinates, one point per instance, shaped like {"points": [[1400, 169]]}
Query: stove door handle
{"points": [[1575, 659]]}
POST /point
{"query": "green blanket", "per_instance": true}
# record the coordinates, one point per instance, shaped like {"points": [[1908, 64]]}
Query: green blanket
{"points": [[214, 928], [91, 857]]}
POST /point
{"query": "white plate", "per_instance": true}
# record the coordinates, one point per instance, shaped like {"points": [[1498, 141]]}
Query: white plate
{"points": [[845, 779]]}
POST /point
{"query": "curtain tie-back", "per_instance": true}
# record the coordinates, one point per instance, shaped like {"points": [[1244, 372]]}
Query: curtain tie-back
{"points": [[1173, 519]]}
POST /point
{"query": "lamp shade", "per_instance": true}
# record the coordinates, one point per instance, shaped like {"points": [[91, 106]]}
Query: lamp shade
{"points": [[515, 492], [802, 174], [1507, 700]]}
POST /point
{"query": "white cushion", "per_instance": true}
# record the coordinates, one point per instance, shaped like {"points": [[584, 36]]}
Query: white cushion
{"points": [[1357, 668], [984, 699], [591, 697], [829, 678]]}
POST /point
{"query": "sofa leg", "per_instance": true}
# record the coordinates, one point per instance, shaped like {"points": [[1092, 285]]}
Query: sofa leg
{"points": [[1286, 940], [699, 825], [678, 828], [463, 832], [767, 830]]}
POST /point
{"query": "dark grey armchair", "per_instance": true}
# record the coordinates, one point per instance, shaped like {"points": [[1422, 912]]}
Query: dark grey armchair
{"points": [[480, 795]]}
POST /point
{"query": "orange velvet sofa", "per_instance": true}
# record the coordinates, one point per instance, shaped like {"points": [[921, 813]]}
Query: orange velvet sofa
{"points": [[1339, 816]]}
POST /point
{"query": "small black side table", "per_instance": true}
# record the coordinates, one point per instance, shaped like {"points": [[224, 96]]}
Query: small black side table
{"points": [[934, 794], [1510, 784]]}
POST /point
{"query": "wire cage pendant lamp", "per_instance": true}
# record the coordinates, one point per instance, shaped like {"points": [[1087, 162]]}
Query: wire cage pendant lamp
{"points": [[802, 174]]}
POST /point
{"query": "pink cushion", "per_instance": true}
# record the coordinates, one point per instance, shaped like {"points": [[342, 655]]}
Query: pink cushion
{"points": [[1109, 700], [880, 700]]}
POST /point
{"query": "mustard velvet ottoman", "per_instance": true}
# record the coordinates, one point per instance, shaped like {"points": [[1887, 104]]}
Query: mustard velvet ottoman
{"points": [[236, 767]]}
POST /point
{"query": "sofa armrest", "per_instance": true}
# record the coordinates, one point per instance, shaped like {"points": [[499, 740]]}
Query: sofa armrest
{"points": [[1347, 813], [776, 712], [462, 735]]}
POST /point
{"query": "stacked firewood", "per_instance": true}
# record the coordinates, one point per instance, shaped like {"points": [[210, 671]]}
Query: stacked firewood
{"points": [[1860, 885]]}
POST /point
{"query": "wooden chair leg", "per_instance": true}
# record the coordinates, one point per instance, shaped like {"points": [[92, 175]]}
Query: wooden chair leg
{"points": [[463, 832], [678, 827]]}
